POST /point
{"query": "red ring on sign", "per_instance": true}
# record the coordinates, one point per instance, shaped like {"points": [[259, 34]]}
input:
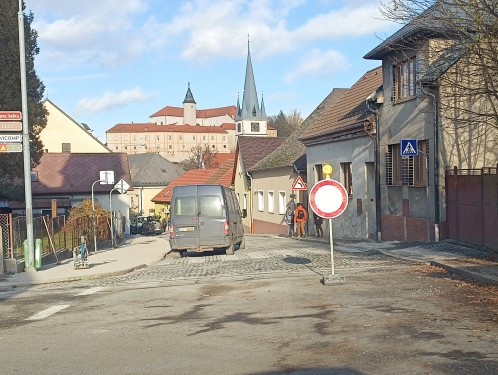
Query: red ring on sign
{"points": [[344, 196]]}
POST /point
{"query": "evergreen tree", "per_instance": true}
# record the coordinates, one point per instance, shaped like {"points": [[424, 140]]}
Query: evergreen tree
{"points": [[11, 164]]}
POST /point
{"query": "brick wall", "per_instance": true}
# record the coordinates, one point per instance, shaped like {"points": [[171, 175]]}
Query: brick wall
{"points": [[399, 228], [264, 227]]}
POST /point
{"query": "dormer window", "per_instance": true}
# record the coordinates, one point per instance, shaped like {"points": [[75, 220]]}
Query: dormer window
{"points": [[254, 111], [404, 80]]}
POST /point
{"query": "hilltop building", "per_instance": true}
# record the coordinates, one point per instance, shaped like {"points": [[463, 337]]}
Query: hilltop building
{"points": [[173, 131]]}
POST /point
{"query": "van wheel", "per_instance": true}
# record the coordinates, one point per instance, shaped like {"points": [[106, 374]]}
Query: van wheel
{"points": [[176, 254], [242, 244], [230, 249]]}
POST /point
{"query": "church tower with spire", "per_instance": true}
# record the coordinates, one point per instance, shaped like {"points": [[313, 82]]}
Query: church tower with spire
{"points": [[189, 108], [251, 117]]}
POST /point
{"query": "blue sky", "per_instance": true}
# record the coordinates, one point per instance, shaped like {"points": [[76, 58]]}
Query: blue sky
{"points": [[118, 61]]}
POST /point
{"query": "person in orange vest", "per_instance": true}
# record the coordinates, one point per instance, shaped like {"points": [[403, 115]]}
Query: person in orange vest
{"points": [[300, 218]]}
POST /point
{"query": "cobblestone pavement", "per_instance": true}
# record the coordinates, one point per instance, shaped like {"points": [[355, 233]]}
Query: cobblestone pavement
{"points": [[264, 256]]}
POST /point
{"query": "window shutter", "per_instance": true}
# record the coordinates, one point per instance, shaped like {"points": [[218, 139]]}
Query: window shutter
{"points": [[417, 74], [393, 84]]}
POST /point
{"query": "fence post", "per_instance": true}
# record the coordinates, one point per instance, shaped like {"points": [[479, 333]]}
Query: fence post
{"points": [[11, 236], [1, 251]]}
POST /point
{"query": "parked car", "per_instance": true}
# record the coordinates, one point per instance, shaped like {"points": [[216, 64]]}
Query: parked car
{"points": [[136, 224], [152, 225], [205, 217]]}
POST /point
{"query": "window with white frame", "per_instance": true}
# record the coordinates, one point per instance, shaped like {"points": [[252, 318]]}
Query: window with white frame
{"points": [[281, 202], [271, 202], [245, 202], [261, 200]]}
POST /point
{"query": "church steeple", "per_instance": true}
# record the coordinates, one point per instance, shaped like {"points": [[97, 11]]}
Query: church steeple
{"points": [[251, 117], [263, 110], [250, 105], [189, 108]]}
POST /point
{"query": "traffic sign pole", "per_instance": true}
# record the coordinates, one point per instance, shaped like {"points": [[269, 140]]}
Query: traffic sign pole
{"points": [[30, 264], [331, 247]]}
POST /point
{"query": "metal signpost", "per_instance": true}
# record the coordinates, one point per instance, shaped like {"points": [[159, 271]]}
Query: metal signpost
{"points": [[409, 147], [329, 199], [106, 178], [122, 186]]}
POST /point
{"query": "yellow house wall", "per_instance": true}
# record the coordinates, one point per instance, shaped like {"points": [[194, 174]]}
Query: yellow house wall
{"points": [[241, 189], [62, 129]]}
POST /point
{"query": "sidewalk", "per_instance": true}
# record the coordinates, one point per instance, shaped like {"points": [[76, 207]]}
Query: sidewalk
{"points": [[471, 261], [134, 253]]}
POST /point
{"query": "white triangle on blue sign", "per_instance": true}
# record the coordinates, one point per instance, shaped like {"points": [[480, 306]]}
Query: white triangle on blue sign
{"points": [[409, 149]]}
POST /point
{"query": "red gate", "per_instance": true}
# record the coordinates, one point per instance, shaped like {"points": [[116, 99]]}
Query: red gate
{"points": [[472, 205]]}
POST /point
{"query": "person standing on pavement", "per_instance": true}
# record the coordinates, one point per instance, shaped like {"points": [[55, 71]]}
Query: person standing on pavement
{"points": [[318, 224], [289, 219], [300, 218]]}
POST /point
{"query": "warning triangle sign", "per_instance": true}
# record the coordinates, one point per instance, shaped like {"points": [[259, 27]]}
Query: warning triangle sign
{"points": [[409, 149], [3, 148], [299, 184]]}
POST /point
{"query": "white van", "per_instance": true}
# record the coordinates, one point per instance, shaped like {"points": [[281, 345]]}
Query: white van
{"points": [[205, 217]]}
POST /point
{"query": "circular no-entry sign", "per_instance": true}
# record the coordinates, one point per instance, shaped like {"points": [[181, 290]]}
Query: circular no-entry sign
{"points": [[328, 198]]}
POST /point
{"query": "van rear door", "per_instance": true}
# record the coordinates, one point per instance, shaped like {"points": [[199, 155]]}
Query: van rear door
{"points": [[185, 214], [212, 216]]}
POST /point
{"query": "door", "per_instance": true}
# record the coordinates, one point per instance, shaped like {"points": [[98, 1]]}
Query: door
{"points": [[213, 213], [184, 218]]}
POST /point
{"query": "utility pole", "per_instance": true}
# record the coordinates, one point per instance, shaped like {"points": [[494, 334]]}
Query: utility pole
{"points": [[29, 263]]}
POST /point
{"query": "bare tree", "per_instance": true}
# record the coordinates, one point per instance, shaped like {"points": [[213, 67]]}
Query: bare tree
{"points": [[286, 124], [460, 40], [294, 119], [200, 157]]}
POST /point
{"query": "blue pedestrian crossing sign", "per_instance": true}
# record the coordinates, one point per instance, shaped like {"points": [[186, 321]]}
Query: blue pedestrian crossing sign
{"points": [[409, 147]]}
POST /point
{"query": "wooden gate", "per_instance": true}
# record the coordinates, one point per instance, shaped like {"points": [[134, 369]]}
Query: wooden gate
{"points": [[472, 205]]}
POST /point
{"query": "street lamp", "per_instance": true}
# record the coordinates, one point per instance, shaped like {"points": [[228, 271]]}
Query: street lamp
{"points": [[110, 211]]}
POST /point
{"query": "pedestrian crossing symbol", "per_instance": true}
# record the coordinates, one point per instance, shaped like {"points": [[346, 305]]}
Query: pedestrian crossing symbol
{"points": [[299, 184], [409, 147]]}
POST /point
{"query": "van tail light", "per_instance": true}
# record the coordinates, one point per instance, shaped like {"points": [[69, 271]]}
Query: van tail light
{"points": [[171, 231], [226, 228]]}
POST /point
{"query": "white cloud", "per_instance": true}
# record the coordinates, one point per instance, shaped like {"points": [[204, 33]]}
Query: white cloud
{"points": [[98, 32], [110, 33], [318, 63], [224, 23], [110, 100]]}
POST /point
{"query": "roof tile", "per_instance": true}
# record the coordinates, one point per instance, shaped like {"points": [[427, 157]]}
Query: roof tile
{"points": [[68, 173], [350, 109]]}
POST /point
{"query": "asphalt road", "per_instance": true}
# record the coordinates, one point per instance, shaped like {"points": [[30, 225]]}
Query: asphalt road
{"points": [[263, 311]]}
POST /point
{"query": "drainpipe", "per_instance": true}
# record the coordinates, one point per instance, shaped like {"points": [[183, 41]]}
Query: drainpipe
{"points": [[436, 164], [251, 196], [376, 143]]}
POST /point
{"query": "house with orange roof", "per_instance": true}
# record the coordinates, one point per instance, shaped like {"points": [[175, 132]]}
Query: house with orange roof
{"points": [[344, 136], [221, 175]]}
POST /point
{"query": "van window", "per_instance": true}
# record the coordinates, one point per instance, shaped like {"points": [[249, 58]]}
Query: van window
{"points": [[210, 205], [185, 206]]}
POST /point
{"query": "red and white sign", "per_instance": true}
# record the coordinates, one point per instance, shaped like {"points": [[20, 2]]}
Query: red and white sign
{"points": [[328, 198], [10, 115], [299, 184]]}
